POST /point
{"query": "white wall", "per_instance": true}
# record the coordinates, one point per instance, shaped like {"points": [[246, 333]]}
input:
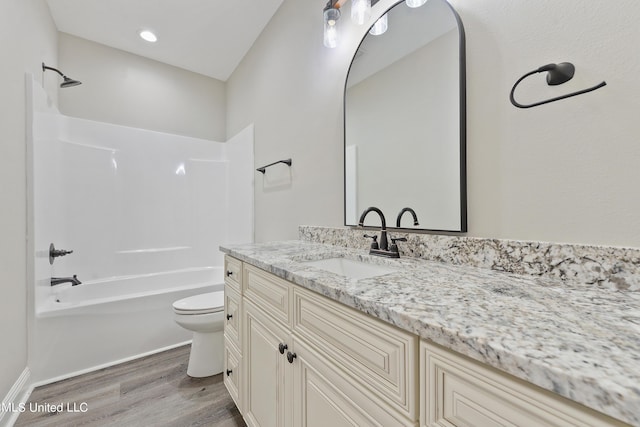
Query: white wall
{"points": [[564, 172], [240, 213], [289, 85], [126, 89], [27, 38]]}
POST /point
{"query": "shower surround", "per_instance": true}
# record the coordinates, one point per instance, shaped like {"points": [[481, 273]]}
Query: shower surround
{"points": [[144, 213]]}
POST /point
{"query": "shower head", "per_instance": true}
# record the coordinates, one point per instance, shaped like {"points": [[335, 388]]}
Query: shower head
{"points": [[67, 81]]}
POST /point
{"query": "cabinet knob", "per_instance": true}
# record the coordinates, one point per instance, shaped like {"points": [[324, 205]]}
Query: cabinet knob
{"points": [[291, 356], [229, 316], [229, 273], [282, 347], [229, 371]]}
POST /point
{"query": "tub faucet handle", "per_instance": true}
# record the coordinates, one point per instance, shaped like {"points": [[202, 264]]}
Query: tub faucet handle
{"points": [[55, 253]]}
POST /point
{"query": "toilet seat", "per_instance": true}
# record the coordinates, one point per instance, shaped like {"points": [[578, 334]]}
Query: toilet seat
{"points": [[211, 302]]}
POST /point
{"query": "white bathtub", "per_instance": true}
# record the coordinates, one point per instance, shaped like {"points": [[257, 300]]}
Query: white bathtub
{"points": [[104, 322]]}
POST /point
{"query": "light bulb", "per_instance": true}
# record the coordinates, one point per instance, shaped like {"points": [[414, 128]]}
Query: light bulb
{"points": [[360, 11], [330, 36], [331, 17], [380, 27], [415, 3]]}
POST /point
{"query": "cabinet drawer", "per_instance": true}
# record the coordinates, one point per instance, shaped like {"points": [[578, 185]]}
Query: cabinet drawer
{"points": [[233, 272], [233, 316], [268, 292], [457, 391], [232, 372], [378, 355]]}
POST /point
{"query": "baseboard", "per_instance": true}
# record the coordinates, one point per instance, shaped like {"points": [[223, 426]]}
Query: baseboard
{"points": [[106, 365], [17, 397]]}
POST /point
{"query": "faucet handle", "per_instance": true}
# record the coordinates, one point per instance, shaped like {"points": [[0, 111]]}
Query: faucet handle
{"points": [[54, 253], [394, 245], [374, 244]]}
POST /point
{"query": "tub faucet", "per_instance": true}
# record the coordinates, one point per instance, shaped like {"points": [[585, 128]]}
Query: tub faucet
{"points": [[60, 280], [412, 212], [383, 247]]}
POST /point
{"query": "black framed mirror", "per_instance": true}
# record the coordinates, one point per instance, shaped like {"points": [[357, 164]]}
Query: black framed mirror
{"points": [[405, 120]]}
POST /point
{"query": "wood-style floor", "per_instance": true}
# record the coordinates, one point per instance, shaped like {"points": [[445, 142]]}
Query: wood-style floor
{"points": [[152, 391]]}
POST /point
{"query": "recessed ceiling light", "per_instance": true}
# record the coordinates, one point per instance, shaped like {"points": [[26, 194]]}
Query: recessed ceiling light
{"points": [[148, 36]]}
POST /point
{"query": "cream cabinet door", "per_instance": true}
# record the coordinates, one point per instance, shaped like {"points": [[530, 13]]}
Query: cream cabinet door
{"points": [[266, 383], [460, 392], [379, 356], [325, 397]]}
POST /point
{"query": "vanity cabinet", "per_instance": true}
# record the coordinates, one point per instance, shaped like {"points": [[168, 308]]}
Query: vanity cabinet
{"points": [[304, 360]]}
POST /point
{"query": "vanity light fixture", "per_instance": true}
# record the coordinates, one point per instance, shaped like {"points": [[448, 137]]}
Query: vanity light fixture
{"points": [[148, 35], [331, 16], [360, 11], [360, 14], [380, 27], [415, 3]]}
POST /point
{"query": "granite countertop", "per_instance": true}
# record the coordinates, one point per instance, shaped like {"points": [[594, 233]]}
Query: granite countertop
{"points": [[580, 342]]}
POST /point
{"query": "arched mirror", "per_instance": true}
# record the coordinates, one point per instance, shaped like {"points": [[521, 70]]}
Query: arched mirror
{"points": [[405, 133]]}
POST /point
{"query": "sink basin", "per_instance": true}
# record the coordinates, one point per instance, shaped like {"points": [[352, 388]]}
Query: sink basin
{"points": [[349, 268]]}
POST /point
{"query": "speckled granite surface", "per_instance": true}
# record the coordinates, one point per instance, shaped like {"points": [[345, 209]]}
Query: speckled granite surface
{"points": [[601, 266], [582, 342]]}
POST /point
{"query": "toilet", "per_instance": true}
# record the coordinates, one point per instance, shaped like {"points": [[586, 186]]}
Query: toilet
{"points": [[203, 315]]}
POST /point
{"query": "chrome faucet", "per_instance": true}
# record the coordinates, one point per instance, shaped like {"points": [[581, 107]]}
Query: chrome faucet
{"points": [[60, 280], [382, 248], [412, 212]]}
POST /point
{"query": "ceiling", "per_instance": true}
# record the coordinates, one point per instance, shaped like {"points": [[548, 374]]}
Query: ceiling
{"points": [[209, 37]]}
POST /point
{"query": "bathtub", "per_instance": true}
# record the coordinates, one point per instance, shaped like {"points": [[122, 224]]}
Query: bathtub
{"points": [[104, 322]]}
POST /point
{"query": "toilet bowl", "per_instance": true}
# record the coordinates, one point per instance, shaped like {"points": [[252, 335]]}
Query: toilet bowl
{"points": [[203, 315]]}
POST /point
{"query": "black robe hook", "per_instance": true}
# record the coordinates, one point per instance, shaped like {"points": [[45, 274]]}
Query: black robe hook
{"points": [[557, 74]]}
